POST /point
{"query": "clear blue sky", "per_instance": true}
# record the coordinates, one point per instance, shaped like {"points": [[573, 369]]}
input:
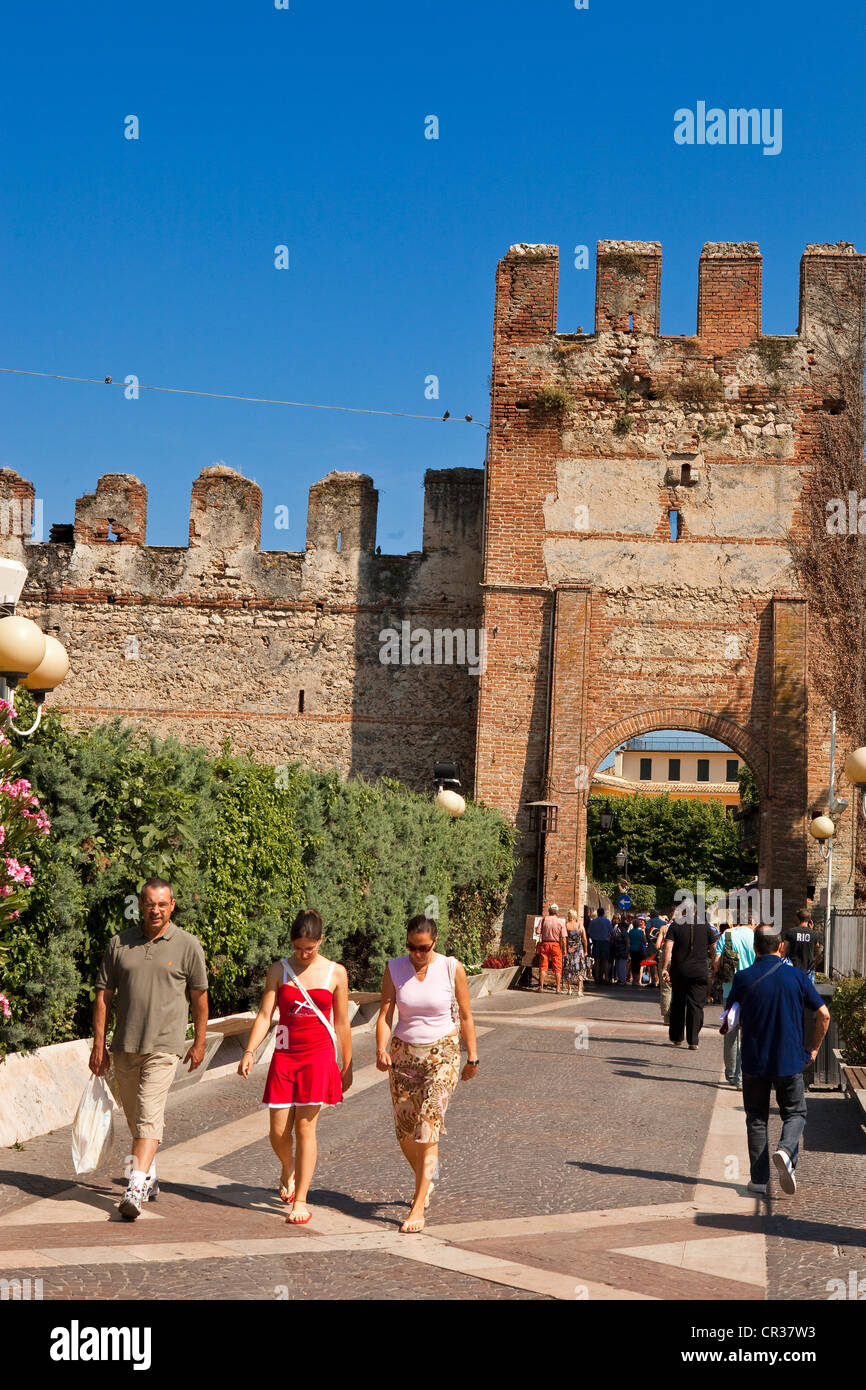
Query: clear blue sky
{"points": [[306, 127]]}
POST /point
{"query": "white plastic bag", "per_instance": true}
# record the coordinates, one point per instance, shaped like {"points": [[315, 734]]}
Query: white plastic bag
{"points": [[93, 1126]]}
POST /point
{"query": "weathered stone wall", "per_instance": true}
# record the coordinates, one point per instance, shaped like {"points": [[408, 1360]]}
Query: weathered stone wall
{"points": [[600, 624], [278, 651]]}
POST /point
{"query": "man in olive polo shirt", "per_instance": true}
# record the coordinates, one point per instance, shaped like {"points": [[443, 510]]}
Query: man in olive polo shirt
{"points": [[150, 972]]}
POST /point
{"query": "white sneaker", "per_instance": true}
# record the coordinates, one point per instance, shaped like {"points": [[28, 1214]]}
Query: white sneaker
{"points": [[151, 1190], [130, 1204], [759, 1187], [785, 1169]]}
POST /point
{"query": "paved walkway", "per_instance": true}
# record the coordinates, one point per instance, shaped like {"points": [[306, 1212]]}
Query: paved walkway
{"points": [[588, 1160]]}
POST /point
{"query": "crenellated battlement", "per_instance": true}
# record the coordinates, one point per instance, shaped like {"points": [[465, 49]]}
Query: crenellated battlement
{"points": [[628, 285], [225, 522], [278, 650]]}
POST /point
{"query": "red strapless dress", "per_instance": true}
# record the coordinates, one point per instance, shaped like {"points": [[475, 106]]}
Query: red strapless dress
{"points": [[304, 1068]]}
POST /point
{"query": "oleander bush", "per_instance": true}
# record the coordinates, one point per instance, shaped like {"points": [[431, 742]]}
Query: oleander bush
{"points": [[245, 846]]}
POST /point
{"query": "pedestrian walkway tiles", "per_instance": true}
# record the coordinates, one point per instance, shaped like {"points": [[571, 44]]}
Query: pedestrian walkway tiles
{"points": [[709, 1247]]}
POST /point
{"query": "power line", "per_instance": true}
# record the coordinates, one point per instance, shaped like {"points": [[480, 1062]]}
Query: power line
{"points": [[254, 400]]}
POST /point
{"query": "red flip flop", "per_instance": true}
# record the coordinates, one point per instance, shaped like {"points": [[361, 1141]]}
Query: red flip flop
{"points": [[292, 1220]]}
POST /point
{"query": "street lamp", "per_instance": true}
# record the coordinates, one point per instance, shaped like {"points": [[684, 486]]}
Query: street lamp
{"points": [[605, 817], [855, 771], [822, 829], [27, 655], [447, 798], [622, 861]]}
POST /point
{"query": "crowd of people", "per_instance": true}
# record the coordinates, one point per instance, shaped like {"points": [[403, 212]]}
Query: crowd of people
{"points": [[768, 1037]]}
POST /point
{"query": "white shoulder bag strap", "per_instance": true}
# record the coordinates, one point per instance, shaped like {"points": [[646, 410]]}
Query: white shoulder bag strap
{"points": [[312, 1004], [455, 1007]]}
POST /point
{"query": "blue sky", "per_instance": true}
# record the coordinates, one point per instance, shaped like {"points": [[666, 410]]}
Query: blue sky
{"points": [[305, 127]]}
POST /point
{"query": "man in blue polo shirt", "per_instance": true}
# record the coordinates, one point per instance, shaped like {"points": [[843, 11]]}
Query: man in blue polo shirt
{"points": [[771, 999]]}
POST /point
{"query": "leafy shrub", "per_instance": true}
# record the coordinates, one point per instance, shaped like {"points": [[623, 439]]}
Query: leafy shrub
{"points": [[700, 388], [848, 1007], [506, 957], [245, 846], [552, 401]]}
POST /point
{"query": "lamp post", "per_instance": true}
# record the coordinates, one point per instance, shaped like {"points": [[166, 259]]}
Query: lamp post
{"points": [[27, 656]]}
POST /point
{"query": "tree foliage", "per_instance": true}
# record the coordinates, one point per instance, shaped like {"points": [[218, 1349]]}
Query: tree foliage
{"points": [[245, 846], [672, 843]]}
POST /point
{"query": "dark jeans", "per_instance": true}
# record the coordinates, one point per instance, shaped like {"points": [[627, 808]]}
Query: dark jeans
{"points": [[791, 1100], [688, 998]]}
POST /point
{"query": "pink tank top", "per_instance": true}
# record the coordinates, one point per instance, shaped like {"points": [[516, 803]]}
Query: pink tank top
{"points": [[424, 1006]]}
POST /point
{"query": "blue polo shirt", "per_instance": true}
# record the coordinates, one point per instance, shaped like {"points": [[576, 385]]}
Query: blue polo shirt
{"points": [[600, 930], [771, 1016]]}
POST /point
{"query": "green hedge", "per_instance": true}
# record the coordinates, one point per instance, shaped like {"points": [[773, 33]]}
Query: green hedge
{"points": [[245, 846], [848, 1007]]}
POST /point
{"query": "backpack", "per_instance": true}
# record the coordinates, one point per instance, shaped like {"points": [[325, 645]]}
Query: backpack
{"points": [[730, 962]]}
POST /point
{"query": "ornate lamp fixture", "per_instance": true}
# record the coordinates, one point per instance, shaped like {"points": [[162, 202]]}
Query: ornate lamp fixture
{"points": [[27, 655]]}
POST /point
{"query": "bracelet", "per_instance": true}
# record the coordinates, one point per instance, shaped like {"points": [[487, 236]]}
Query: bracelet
{"points": [[249, 1053]]}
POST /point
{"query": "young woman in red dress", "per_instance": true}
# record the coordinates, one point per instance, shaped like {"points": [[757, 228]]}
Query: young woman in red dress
{"points": [[304, 1073]]}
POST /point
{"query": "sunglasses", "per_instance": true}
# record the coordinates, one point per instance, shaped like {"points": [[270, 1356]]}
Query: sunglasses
{"points": [[422, 949]]}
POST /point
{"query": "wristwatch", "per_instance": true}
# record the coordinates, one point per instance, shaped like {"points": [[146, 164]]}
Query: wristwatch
{"points": [[470, 1063]]}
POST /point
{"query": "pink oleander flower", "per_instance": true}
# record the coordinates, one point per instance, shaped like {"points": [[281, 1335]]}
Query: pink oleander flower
{"points": [[2, 834], [5, 890], [19, 872], [13, 915], [6, 707], [4, 1002]]}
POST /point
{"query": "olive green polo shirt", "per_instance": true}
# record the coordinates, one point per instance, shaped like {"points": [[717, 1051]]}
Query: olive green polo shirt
{"points": [[152, 981]]}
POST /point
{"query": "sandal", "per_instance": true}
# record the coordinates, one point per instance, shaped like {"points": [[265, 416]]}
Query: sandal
{"points": [[430, 1191], [299, 1219], [413, 1227], [287, 1194]]}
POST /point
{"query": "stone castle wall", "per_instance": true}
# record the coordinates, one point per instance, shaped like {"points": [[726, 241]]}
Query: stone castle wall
{"points": [[600, 624], [278, 651]]}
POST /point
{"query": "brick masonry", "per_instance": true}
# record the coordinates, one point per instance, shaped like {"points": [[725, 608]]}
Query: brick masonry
{"points": [[595, 439]]}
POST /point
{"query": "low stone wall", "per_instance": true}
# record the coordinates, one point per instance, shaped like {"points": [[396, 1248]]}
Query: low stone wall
{"points": [[40, 1091]]}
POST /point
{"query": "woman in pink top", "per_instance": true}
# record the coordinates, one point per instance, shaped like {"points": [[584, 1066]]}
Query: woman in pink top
{"points": [[423, 1060]]}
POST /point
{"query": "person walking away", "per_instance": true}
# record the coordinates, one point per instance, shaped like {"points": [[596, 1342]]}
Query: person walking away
{"points": [[619, 952], [312, 993], [771, 999], [431, 996], [735, 950], [800, 942], [600, 931], [551, 947], [657, 940], [574, 966], [685, 965], [637, 949], [152, 973]]}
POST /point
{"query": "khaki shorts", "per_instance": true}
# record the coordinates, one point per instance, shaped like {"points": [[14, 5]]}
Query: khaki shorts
{"points": [[141, 1081]]}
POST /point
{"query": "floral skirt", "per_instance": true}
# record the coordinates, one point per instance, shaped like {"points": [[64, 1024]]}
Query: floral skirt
{"points": [[422, 1082], [575, 967]]}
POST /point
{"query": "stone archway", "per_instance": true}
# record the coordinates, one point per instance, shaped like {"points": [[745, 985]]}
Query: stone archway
{"points": [[692, 721]]}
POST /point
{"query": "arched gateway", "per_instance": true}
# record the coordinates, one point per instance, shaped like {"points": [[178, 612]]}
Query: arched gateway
{"points": [[642, 493]]}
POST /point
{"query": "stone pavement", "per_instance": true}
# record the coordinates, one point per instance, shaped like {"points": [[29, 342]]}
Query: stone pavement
{"points": [[590, 1159]]}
